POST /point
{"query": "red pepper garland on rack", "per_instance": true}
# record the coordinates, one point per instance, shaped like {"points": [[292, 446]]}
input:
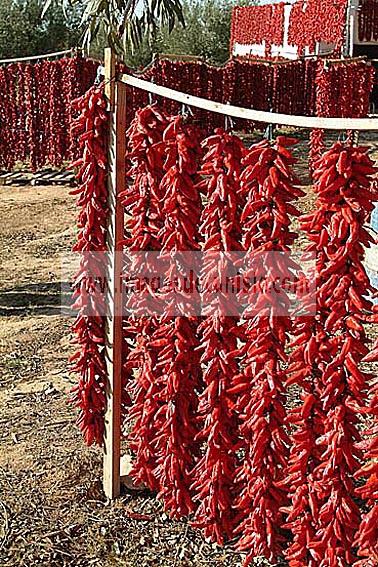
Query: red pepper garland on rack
{"points": [[317, 148], [21, 144], [57, 142], [312, 21], [307, 422], [43, 80], [89, 396], [176, 336], [269, 186], [368, 20], [7, 159], [255, 24], [12, 110], [214, 474], [323, 99], [344, 204], [305, 371], [367, 536], [143, 203], [31, 99], [35, 110], [72, 69]]}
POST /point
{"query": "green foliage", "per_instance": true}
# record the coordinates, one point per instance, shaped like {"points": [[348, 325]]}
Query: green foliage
{"points": [[207, 31], [206, 34], [23, 32], [123, 23]]}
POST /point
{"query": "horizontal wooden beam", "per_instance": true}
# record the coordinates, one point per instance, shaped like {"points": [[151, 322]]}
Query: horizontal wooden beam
{"points": [[174, 57], [38, 57], [361, 124]]}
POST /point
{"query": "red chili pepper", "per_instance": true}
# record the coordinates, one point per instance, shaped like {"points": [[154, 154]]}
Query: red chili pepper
{"points": [[214, 474], [143, 201], [269, 186], [368, 21], [89, 396], [173, 340], [323, 516]]}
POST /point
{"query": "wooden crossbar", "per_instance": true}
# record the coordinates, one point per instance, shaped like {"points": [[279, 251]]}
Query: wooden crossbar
{"points": [[37, 57], [360, 124]]}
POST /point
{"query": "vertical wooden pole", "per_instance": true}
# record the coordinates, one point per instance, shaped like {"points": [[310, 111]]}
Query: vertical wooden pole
{"points": [[350, 28], [116, 93]]}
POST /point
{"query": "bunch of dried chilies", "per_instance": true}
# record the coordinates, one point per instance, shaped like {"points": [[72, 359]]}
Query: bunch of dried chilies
{"points": [[211, 426], [36, 110]]}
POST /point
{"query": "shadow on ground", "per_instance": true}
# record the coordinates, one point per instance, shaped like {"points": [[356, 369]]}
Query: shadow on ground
{"points": [[36, 299]]}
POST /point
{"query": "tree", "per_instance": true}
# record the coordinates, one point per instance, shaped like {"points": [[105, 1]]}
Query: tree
{"points": [[206, 33], [123, 22], [23, 32]]}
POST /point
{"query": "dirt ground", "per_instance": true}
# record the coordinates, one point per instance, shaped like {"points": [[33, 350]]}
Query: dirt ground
{"points": [[52, 509]]}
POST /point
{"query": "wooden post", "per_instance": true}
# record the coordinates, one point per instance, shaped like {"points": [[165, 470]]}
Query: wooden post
{"points": [[350, 27], [116, 93]]}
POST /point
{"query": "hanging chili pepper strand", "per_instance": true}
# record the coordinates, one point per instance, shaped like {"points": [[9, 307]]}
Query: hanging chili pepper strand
{"points": [[7, 125], [143, 202], [12, 114], [70, 94], [176, 336], [31, 97], [43, 77], [336, 229], [310, 86], [21, 112], [70, 91], [307, 422], [79, 75], [270, 188], [3, 110], [305, 371], [317, 148], [39, 103], [367, 534], [323, 101], [214, 474], [368, 21], [57, 146], [89, 396]]}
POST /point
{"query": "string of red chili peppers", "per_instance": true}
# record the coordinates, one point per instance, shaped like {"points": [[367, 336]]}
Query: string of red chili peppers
{"points": [[307, 426], [7, 160], [270, 188], [35, 110], [143, 202], [367, 536], [264, 87], [312, 21], [255, 24], [21, 144], [91, 129], [322, 108], [336, 230], [176, 336], [214, 474], [368, 20], [343, 89]]}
